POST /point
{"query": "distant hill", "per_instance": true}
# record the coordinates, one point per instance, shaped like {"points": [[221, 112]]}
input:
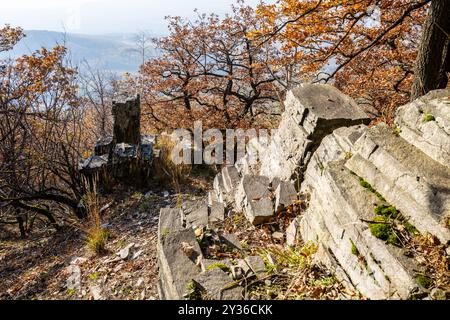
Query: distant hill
{"points": [[112, 51]]}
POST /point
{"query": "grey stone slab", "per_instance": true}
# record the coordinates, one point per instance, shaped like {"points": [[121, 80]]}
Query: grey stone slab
{"points": [[231, 240], [408, 178], [219, 187], [170, 220], [196, 213], [431, 135], [254, 198], [312, 113], [257, 265], [285, 195], [231, 178], [218, 285], [178, 252], [217, 212]]}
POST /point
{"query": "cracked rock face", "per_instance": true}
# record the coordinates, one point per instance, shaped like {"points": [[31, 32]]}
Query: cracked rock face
{"points": [[253, 197], [425, 123], [312, 112], [324, 144], [175, 262], [404, 169], [408, 178]]}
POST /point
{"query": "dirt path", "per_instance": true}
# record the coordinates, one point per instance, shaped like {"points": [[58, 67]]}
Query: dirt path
{"points": [[39, 267]]}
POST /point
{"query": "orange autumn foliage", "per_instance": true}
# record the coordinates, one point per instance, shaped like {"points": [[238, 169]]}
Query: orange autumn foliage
{"points": [[367, 48]]}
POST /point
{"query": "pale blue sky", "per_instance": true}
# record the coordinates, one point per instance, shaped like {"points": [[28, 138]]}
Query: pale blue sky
{"points": [[103, 16]]}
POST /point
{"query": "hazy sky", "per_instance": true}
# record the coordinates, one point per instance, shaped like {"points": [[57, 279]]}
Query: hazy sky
{"points": [[103, 16]]}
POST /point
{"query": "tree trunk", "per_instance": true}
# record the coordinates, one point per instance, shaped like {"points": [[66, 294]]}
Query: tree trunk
{"points": [[431, 65], [21, 227]]}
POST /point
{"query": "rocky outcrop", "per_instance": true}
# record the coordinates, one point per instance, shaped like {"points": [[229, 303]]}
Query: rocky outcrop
{"points": [[370, 190], [253, 197], [425, 123], [182, 266], [357, 171], [311, 113], [406, 177]]}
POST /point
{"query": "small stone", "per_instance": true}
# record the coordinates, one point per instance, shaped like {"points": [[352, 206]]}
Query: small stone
{"points": [[166, 194], [217, 212], [137, 254], [125, 252], [218, 285], [219, 188], [285, 195], [257, 265], [78, 261], [253, 197], [246, 270], [437, 294], [139, 282], [278, 236], [230, 178], [148, 194], [74, 280], [96, 292], [236, 272], [231, 240], [105, 207], [198, 232], [196, 213], [271, 259], [268, 283]]}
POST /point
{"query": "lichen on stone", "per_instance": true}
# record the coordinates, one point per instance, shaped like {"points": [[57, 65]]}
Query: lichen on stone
{"points": [[219, 265], [428, 117], [382, 229], [369, 187]]}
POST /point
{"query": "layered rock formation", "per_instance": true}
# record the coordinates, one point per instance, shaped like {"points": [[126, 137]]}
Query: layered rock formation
{"points": [[371, 190], [359, 169], [312, 112]]}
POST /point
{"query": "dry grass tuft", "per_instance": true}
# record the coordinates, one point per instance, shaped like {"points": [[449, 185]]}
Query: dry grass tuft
{"points": [[97, 236], [165, 168]]}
